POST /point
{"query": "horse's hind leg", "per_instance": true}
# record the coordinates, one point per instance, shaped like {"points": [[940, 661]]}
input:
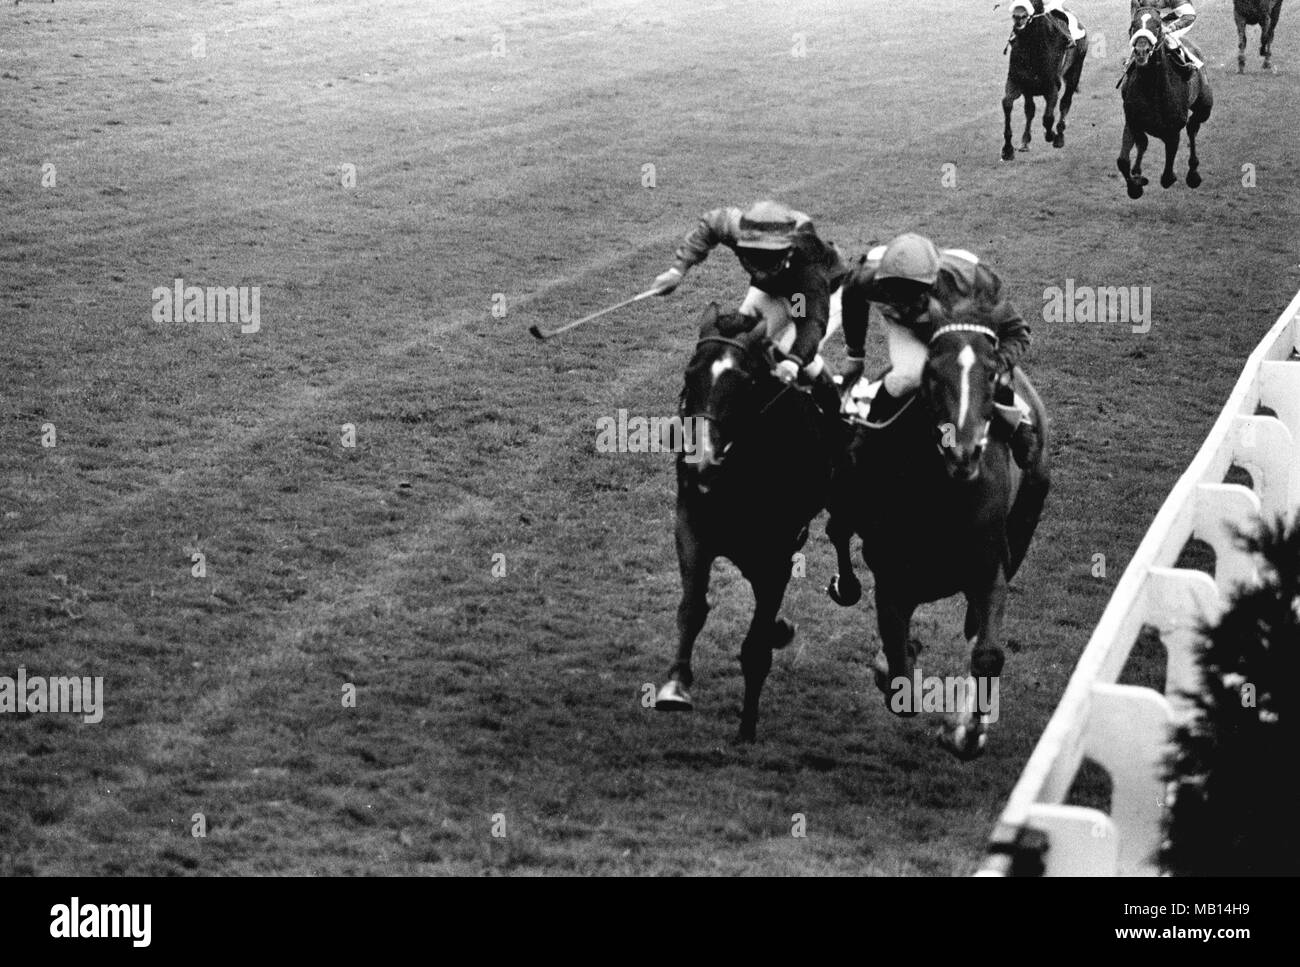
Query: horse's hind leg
{"points": [[1008, 101], [845, 589], [1241, 44], [1167, 177], [1266, 36], [894, 675], [1067, 99], [1029, 122], [695, 564], [1193, 162], [1132, 173], [766, 632], [1049, 111]]}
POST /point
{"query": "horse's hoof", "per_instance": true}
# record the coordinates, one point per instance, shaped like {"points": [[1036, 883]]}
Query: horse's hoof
{"points": [[845, 591], [673, 697], [1142, 180], [783, 630], [880, 672], [964, 741], [1058, 141], [1135, 189], [1167, 180], [1008, 153], [1024, 147], [1193, 179], [747, 735]]}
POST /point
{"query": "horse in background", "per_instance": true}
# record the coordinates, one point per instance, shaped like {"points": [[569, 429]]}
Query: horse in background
{"points": [[1160, 100], [1045, 62], [1256, 13], [942, 509], [761, 470]]}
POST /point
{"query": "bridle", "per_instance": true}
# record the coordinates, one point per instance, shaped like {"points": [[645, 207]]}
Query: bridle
{"points": [[746, 350], [965, 327], [987, 333]]}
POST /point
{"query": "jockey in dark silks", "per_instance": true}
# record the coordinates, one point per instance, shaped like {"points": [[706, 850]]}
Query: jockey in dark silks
{"points": [[792, 275], [908, 280]]}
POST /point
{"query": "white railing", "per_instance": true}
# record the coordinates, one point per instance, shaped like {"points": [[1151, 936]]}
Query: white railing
{"points": [[1125, 728]]}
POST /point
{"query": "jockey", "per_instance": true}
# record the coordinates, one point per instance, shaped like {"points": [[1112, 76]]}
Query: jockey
{"points": [[1177, 17], [1026, 9], [906, 279], [792, 275]]}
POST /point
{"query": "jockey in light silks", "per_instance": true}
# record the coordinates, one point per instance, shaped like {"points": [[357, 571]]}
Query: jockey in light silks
{"points": [[906, 280], [1177, 16], [793, 275], [1022, 10]]}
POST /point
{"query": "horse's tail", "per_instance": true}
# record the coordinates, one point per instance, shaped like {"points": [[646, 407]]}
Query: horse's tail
{"points": [[1035, 482]]}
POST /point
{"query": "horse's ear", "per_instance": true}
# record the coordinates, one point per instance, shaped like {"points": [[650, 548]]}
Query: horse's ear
{"points": [[709, 320]]}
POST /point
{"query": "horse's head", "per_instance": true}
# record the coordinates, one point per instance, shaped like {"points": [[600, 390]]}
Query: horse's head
{"points": [[723, 389], [1145, 34], [961, 377]]}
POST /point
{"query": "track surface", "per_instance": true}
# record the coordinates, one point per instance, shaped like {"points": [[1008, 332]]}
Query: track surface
{"points": [[499, 148]]}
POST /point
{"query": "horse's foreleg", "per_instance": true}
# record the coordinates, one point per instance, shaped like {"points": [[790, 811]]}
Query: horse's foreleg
{"points": [[766, 632], [1241, 44], [695, 564], [894, 676], [1029, 122], [965, 733], [1167, 177], [1008, 101]]}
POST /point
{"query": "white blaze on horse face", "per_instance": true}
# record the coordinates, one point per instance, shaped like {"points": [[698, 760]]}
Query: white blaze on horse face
{"points": [[965, 359], [720, 366]]}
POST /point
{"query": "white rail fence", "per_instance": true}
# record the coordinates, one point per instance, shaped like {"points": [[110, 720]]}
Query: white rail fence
{"points": [[1125, 729]]}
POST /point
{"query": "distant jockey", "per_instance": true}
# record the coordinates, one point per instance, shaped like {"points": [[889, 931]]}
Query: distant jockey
{"points": [[909, 279], [792, 275], [1177, 17], [1057, 15]]}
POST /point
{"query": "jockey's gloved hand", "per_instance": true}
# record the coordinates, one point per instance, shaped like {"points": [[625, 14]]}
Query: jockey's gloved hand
{"points": [[787, 371], [668, 281]]}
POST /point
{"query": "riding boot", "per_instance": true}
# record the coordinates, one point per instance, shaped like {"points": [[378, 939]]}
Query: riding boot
{"points": [[1024, 443]]}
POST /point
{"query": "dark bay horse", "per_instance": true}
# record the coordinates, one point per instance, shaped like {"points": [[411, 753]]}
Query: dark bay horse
{"points": [[1160, 100], [760, 473], [940, 512], [1043, 64], [1256, 13]]}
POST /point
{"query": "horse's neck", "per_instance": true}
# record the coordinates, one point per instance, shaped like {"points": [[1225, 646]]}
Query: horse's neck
{"points": [[1035, 46]]}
